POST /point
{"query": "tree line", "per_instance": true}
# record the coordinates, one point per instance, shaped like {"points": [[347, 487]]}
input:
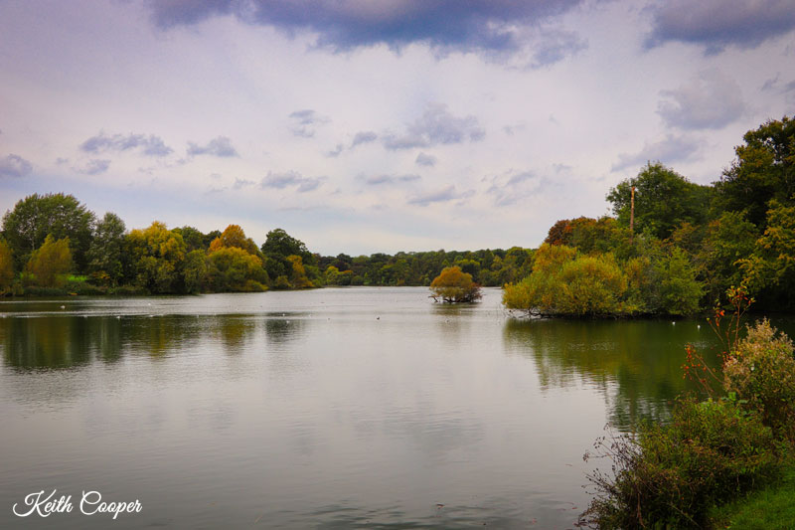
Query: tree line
{"points": [[687, 244], [52, 244]]}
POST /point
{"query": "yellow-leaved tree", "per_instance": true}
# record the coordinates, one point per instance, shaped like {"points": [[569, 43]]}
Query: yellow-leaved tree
{"points": [[6, 266], [455, 286], [50, 263]]}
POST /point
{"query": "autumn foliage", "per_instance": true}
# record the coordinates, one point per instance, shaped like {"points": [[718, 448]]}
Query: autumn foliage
{"points": [[455, 286]]}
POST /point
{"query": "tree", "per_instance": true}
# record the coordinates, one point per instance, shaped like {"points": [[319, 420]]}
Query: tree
{"points": [[567, 284], [37, 216], [280, 244], [234, 269], [50, 263], [455, 286], [764, 170], [298, 276], [194, 239], [194, 271], [663, 200], [679, 289], [157, 257], [234, 236], [769, 271], [729, 239], [106, 254], [6, 266]]}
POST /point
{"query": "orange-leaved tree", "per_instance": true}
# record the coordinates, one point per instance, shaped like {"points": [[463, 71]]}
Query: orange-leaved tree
{"points": [[455, 286]]}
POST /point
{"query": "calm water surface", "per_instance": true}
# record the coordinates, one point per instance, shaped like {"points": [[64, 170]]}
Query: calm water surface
{"points": [[335, 408]]}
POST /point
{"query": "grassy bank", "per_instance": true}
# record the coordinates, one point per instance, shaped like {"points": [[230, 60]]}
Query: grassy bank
{"points": [[770, 509]]}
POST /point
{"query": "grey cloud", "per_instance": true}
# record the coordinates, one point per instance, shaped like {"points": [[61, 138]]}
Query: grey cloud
{"points": [[291, 178], [553, 46], [150, 145], [363, 137], [670, 149], [711, 101], [304, 122], [377, 180], [450, 193], [281, 180], [436, 126], [511, 187], [310, 184], [242, 183], [484, 25], [716, 24], [220, 147], [425, 160], [14, 166], [95, 167], [334, 153], [771, 83]]}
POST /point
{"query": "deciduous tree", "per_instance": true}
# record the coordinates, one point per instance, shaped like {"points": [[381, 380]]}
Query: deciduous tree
{"points": [[49, 264]]}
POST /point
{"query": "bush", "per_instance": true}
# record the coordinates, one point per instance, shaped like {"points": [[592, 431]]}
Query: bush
{"points": [[761, 369], [670, 476], [455, 286], [128, 290], [567, 285]]}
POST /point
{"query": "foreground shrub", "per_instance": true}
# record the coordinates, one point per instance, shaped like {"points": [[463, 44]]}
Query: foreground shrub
{"points": [[670, 476], [761, 369]]}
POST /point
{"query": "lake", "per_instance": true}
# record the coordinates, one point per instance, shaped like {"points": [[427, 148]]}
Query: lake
{"points": [[333, 408]]}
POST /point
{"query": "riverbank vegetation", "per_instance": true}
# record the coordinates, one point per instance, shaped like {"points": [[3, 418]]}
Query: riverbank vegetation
{"points": [[740, 440], [681, 247], [682, 244]]}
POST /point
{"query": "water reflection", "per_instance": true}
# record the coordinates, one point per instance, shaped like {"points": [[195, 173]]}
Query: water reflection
{"points": [[636, 364], [283, 329], [32, 343], [235, 332], [71, 341]]}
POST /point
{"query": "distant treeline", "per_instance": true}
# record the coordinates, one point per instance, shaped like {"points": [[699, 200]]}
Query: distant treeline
{"points": [[687, 245], [53, 245]]}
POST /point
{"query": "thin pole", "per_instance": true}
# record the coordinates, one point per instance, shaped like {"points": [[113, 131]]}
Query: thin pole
{"points": [[632, 215]]}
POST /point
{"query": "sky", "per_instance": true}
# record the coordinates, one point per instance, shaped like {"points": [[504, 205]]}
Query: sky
{"points": [[363, 126]]}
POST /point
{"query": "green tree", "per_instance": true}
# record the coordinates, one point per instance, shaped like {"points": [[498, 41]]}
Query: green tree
{"points": [[764, 170], [279, 243], [49, 264], [769, 272], [663, 200], [194, 239], [6, 266], [680, 291], [455, 286], [194, 271], [37, 216], [106, 253], [729, 239]]}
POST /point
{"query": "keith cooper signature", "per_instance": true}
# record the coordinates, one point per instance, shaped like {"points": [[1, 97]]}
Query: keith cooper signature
{"points": [[91, 503]]}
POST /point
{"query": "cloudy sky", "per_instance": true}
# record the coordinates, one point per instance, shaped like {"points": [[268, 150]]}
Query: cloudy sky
{"points": [[365, 126]]}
